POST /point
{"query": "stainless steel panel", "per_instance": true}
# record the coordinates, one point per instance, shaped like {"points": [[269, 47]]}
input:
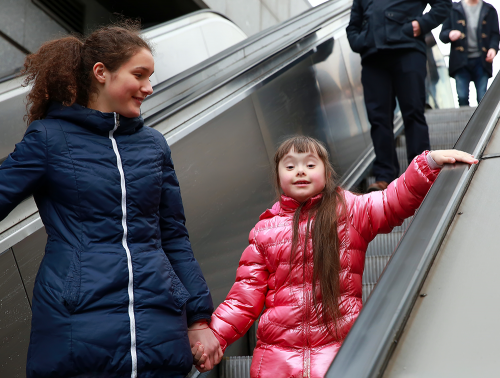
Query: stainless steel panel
{"points": [[29, 254], [15, 320], [314, 97], [12, 109], [224, 173]]}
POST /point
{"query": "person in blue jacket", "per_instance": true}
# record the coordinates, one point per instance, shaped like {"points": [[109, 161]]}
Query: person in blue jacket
{"points": [[119, 292], [472, 29]]}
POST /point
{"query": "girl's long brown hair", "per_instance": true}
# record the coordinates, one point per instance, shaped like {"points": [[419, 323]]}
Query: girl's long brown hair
{"points": [[62, 70], [326, 245]]}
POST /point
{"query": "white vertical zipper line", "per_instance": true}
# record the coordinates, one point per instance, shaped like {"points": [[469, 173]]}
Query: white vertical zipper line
{"points": [[133, 341]]}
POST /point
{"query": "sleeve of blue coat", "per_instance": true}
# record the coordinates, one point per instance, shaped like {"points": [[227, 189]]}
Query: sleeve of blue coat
{"points": [[23, 172], [176, 244]]}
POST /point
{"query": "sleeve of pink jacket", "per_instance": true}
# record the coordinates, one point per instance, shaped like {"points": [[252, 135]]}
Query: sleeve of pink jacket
{"points": [[381, 211], [245, 300]]}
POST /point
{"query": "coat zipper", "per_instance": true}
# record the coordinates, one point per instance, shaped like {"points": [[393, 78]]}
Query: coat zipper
{"points": [[133, 342]]}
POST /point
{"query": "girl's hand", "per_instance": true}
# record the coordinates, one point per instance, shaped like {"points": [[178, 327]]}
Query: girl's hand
{"points": [[452, 156], [200, 332], [199, 357]]}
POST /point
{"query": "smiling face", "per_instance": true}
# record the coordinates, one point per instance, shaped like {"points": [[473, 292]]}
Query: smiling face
{"points": [[301, 175], [124, 90]]}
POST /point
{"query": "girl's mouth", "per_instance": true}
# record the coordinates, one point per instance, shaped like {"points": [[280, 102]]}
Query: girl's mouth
{"points": [[138, 99], [301, 183]]}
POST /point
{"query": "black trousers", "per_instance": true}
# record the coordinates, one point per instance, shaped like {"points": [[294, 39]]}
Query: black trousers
{"points": [[386, 75]]}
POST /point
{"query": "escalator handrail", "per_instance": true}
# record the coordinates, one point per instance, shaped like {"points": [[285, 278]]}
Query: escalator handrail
{"points": [[176, 92], [371, 341]]}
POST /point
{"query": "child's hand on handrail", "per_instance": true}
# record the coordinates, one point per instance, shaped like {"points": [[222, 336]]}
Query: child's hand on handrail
{"points": [[452, 156]]}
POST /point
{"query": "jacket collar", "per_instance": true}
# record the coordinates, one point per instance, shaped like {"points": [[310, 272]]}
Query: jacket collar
{"points": [[288, 205], [485, 8], [93, 119]]}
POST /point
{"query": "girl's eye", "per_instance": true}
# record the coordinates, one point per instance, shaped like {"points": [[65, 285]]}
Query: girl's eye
{"points": [[310, 166], [137, 75], [289, 167]]}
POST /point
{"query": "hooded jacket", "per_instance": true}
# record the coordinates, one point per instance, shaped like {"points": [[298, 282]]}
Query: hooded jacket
{"points": [[487, 36], [118, 284], [291, 340], [386, 24]]}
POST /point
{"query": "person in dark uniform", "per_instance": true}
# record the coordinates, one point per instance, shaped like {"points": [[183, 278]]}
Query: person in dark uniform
{"points": [[472, 29], [389, 35]]}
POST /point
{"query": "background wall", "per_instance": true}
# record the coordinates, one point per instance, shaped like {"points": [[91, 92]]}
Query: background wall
{"points": [[27, 25], [252, 16]]}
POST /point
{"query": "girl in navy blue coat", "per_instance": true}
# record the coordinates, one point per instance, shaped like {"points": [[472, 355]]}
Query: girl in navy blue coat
{"points": [[118, 286]]}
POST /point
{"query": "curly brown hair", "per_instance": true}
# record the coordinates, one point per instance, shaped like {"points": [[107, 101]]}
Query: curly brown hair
{"points": [[62, 70]]}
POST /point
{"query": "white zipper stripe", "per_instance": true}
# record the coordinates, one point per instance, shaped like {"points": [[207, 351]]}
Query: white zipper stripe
{"points": [[133, 342]]}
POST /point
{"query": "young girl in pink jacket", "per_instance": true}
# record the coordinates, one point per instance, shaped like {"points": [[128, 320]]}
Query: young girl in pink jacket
{"points": [[306, 255]]}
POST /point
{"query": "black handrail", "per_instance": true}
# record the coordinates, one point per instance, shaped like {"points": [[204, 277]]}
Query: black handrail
{"points": [[371, 341]]}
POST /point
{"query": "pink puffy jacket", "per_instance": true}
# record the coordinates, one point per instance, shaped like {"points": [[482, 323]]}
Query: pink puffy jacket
{"points": [[291, 342]]}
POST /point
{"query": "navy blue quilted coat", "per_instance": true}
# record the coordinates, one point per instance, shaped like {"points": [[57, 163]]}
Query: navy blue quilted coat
{"points": [[118, 284]]}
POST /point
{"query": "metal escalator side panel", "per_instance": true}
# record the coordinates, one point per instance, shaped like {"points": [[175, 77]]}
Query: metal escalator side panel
{"points": [[15, 315]]}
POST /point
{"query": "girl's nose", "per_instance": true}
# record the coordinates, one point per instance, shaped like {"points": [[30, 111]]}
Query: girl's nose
{"points": [[147, 89]]}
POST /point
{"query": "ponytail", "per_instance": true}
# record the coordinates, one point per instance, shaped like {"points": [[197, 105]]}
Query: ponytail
{"points": [[53, 71], [62, 69]]}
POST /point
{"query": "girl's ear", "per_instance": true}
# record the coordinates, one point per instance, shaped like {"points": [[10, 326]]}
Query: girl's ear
{"points": [[100, 72]]}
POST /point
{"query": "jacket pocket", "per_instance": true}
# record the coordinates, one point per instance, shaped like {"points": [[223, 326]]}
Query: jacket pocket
{"points": [[398, 27], [177, 289], [71, 291]]}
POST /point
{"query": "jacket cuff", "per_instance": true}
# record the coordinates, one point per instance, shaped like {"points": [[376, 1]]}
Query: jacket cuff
{"points": [[222, 342], [424, 25], [195, 318], [424, 166], [432, 163]]}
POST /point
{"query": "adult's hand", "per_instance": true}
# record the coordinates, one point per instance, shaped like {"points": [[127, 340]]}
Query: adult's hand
{"points": [[454, 35], [416, 28], [200, 332], [491, 55]]}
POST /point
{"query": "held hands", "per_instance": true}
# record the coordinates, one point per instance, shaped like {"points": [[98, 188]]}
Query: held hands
{"points": [[454, 35], [452, 156], [205, 347], [491, 55], [416, 28]]}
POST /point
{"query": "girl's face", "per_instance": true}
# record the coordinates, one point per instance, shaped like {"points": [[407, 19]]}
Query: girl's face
{"points": [[302, 175], [124, 90]]}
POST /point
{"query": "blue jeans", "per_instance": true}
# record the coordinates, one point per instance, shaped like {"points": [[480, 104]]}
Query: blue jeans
{"points": [[475, 72]]}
